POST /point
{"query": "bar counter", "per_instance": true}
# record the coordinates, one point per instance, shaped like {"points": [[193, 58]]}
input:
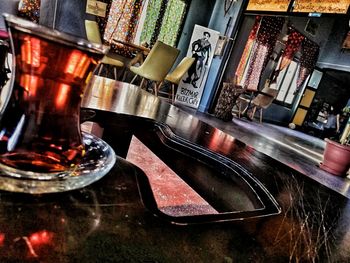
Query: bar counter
{"points": [[116, 219]]}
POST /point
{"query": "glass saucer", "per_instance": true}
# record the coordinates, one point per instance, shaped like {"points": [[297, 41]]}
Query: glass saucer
{"points": [[97, 162]]}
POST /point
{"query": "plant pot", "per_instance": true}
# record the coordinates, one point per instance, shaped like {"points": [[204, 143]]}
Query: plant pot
{"points": [[336, 158]]}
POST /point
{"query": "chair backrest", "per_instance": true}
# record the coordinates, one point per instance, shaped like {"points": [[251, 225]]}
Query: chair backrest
{"points": [[159, 61], [264, 101], [176, 75], [92, 32]]}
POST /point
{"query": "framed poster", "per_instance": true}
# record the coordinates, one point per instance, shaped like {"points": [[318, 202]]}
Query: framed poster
{"points": [[202, 47]]}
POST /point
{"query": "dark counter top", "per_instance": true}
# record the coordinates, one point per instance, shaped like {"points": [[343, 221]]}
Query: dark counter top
{"points": [[109, 222]]}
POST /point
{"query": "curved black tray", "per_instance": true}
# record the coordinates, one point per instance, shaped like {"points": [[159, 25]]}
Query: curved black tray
{"points": [[227, 186]]}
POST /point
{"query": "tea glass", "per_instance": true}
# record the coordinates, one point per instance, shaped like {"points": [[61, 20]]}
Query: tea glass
{"points": [[42, 148]]}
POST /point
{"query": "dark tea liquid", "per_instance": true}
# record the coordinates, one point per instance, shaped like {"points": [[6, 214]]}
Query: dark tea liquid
{"points": [[40, 129]]}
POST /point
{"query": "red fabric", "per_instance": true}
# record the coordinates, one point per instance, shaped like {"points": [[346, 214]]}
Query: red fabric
{"points": [[292, 46], [270, 28], [309, 56], [293, 43], [247, 49]]}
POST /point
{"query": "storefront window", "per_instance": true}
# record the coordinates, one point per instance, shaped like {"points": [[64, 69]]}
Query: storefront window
{"points": [[287, 83], [272, 40], [258, 50]]}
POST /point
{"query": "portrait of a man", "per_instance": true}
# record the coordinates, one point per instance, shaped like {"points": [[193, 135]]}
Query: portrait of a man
{"points": [[201, 50], [201, 47]]}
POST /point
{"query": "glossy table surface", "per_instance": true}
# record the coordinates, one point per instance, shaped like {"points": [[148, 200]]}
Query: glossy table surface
{"points": [[109, 222]]}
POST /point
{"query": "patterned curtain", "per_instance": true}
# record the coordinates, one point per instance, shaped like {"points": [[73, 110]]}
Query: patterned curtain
{"points": [[173, 17], [292, 46], [163, 21], [270, 28], [149, 26], [247, 50], [29, 9], [309, 56], [122, 20], [159, 22]]}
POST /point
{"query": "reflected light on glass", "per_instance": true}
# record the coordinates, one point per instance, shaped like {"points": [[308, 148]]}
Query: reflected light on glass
{"points": [[73, 61], [30, 51], [29, 83], [62, 95], [77, 64]]}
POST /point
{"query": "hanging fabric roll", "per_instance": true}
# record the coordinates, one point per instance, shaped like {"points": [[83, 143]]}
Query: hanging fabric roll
{"points": [[270, 28], [293, 44], [309, 55]]}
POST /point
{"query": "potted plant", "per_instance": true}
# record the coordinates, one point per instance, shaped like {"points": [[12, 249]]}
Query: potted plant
{"points": [[336, 156]]}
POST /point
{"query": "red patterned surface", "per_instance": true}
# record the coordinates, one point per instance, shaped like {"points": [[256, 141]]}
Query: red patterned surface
{"points": [[172, 194]]}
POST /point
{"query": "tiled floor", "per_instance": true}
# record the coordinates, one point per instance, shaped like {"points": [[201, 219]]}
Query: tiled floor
{"points": [[293, 148]]}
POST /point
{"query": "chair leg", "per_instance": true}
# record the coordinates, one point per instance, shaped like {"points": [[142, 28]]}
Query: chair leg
{"points": [[239, 106], [253, 113], [115, 73], [134, 78], [142, 83], [156, 87], [96, 69], [244, 111], [172, 93], [261, 115], [125, 73], [100, 69]]}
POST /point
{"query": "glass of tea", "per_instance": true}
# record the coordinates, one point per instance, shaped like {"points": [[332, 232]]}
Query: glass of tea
{"points": [[40, 137]]}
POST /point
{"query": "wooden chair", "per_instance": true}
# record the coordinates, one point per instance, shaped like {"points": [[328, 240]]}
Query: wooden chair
{"points": [[93, 35], [243, 101], [156, 66], [176, 75], [263, 100]]}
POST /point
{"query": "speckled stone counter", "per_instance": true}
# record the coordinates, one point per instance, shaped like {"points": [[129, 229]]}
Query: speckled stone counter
{"points": [[108, 221]]}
